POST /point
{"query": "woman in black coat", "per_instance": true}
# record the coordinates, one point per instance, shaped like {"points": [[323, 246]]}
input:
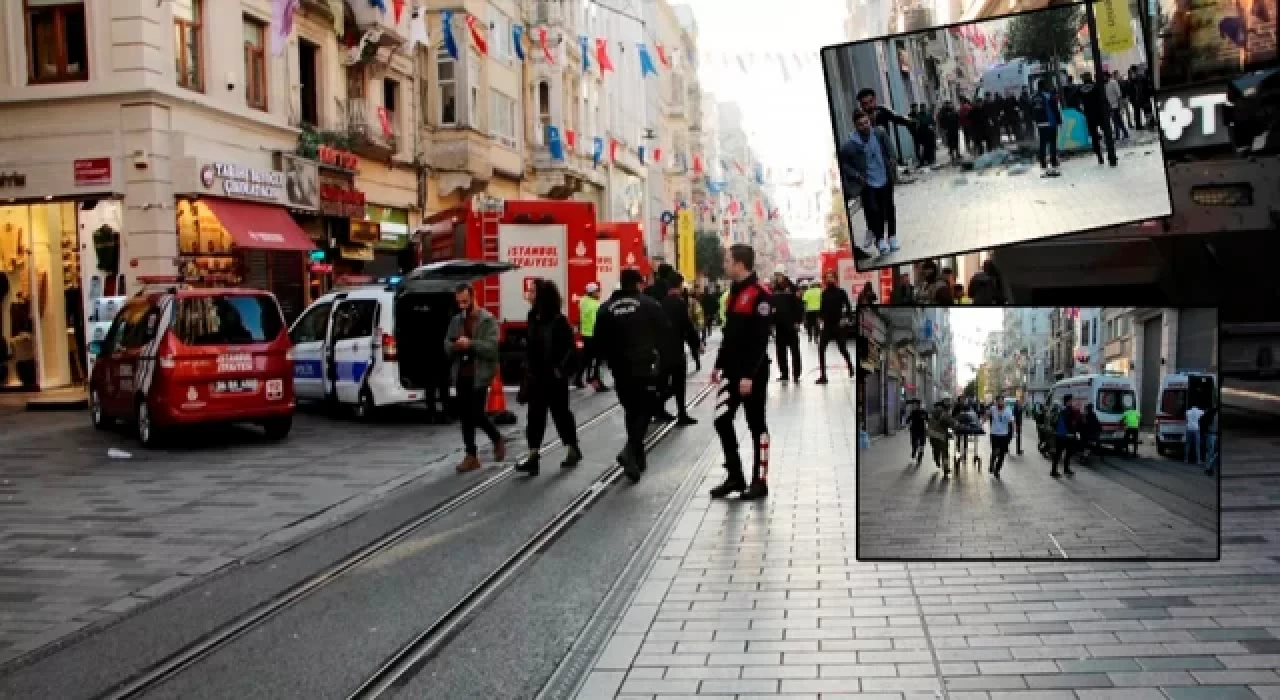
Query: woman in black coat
{"points": [[549, 364]]}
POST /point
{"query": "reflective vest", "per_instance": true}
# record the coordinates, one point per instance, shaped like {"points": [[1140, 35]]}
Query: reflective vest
{"points": [[813, 299], [587, 309], [724, 304]]}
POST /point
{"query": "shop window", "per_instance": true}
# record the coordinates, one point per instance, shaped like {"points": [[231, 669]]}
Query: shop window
{"points": [[255, 63], [447, 82], [309, 82], [57, 41], [188, 48], [312, 326]]}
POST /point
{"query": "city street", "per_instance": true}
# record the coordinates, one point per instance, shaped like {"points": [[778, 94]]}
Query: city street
{"points": [[947, 211], [1118, 506]]}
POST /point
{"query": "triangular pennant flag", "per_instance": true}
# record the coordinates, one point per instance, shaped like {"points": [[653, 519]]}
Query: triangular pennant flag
{"points": [[662, 56], [657, 156], [646, 62], [782, 66], [482, 44], [571, 139], [697, 164], [597, 150], [546, 47], [517, 40], [397, 7], [742, 64], [602, 56], [585, 46], [446, 28], [640, 154]]}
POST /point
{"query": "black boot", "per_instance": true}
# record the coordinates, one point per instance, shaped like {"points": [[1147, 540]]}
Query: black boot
{"points": [[630, 466], [821, 380], [572, 458], [733, 484], [686, 419], [530, 466], [755, 492]]}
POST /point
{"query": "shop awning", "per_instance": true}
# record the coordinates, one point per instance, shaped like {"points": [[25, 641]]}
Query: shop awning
{"points": [[259, 226]]}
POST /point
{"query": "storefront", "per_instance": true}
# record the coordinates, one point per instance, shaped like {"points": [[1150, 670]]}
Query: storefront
{"points": [[392, 253], [57, 255], [872, 334], [235, 229]]}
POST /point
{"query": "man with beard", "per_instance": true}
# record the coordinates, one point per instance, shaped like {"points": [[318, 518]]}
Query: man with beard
{"points": [[868, 166], [884, 117], [787, 316], [1097, 116]]}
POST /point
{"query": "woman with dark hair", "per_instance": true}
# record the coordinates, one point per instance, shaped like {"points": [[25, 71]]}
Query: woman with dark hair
{"points": [[549, 364]]}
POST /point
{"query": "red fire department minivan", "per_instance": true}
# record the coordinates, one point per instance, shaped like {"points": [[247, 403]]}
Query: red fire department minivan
{"points": [[182, 357]]}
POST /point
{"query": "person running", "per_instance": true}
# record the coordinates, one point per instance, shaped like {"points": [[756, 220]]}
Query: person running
{"points": [[941, 422], [471, 344], [1097, 117], [548, 366], [787, 315], [1046, 110], [630, 331], [836, 307], [1115, 100], [675, 364], [1066, 428], [1001, 419], [918, 426], [588, 308], [743, 361], [812, 309], [868, 166]]}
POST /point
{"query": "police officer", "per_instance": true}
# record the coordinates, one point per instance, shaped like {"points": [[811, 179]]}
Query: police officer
{"points": [[743, 360], [630, 330], [787, 317], [675, 364]]}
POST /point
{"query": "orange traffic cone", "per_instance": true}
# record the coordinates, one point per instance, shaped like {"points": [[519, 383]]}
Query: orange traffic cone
{"points": [[496, 405]]}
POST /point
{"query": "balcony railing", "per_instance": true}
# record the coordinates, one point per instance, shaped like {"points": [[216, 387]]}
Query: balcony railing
{"points": [[389, 32], [367, 133]]}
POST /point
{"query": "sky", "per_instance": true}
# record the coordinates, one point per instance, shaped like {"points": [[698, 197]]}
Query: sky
{"points": [[969, 329], [789, 123]]}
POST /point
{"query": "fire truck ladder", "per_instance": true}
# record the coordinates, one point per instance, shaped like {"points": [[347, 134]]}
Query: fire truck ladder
{"points": [[491, 292]]}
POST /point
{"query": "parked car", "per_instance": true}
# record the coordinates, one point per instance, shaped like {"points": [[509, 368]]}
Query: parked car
{"points": [[184, 357]]}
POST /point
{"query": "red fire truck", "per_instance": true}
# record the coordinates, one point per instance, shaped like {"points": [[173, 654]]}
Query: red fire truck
{"points": [[620, 246], [547, 239], [841, 263]]}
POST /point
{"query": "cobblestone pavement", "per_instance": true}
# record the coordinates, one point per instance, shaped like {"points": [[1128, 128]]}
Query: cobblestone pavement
{"points": [[85, 538], [946, 211], [909, 512], [766, 600]]}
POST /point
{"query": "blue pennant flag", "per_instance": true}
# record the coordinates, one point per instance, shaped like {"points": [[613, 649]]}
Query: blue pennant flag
{"points": [[759, 175], [379, 5], [517, 40], [715, 187], [554, 144], [597, 151], [446, 24], [584, 42], [640, 153], [646, 62]]}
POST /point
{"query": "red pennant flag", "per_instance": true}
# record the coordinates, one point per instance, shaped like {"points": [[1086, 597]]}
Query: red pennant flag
{"points": [[546, 49], [613, 150], [397, 7], [657, 156], [477, 36], [570, 138], [662, 56], [759, 209], [602, 56], [697, 165], [741, 170]]}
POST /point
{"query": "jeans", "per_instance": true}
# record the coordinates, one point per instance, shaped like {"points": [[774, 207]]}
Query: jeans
{"points": [[877, 207], [1048, 146], [999, 448], [1211, 458], [471, 402], [1193, 447], [1117, 123]]}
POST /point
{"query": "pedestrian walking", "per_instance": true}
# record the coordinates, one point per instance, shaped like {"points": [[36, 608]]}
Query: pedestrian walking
{"points": [[675, 364], [1047, 113], [550, 360], [835, 311], [630, 331], [1091, 432], [812, 309], [699, 325], [1192, 443], [1017, 425], [949, 122], [787, 315], [471, 344], [589, 372], [1097, 117], [710, 302], [1115, 100], [1132, 420], [917, 422], [1066, 422], [868, 165], [1001, 420], [743, 362]]}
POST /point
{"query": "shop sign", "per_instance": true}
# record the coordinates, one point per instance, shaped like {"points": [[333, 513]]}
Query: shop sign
{"points": [[1190, 119], [338, 158], [240, 182], [393, 224], [302, 182], [92, 172], [365, 233], [362, 253], [339, 198]]}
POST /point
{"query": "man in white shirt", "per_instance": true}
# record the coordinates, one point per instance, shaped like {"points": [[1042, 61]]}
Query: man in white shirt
{"points": [[1194, 414], [1001, 418]]}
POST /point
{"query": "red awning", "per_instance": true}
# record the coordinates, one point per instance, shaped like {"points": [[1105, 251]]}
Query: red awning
{"points": [[259, 226]]}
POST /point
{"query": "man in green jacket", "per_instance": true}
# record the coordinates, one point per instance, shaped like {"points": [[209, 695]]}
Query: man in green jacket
{"points": [[588, 308], [472, 346], [812, 305], [1132, 420], [724, 305]]}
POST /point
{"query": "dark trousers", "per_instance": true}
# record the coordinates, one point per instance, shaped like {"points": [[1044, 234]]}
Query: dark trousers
{"points": [[1017, 432], [917, 445], [728, 399], [999, 448], [787, 341], [675, 379], [1063, 449], [832, 332], [590, 370], [1048, 146], [811, 325], [550, 395], [1131, 439], [1117, 124], [471, 401], [1099, 130], [877, 206], [637, 399]]}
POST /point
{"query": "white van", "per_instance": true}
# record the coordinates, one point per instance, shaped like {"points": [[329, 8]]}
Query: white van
{"points": [[1110, 395], [381, 344], [1178, 391]]}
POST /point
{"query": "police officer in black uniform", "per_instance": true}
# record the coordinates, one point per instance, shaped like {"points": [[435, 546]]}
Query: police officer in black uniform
{"points": [[675, 364], [788, 313], [743, 360], [631, 328]]}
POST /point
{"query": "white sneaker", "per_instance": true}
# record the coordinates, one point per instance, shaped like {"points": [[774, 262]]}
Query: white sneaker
{"points": [[869, 242], [893, 244], [884, 247]]}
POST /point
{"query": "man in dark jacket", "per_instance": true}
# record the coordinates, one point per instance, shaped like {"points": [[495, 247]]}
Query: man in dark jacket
{"points": [[884, 117], [1046, 112], [1017, 424], [868, 166], [743, 361], [1066, 426], [661, 282], [1097, 116], [629, 333], [675, 364], [788, 314], [835, 308]]}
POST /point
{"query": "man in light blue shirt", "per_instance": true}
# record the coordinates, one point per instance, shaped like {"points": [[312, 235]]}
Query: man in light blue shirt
{"points": [[867, 164]]}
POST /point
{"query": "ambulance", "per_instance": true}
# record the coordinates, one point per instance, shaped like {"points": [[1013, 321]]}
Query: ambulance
{"points": [[1110, 395], [1178, 392]]}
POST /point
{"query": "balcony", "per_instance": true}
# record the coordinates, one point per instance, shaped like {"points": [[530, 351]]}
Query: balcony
{"points": [[546, 13], [463, 153], [367, 133], [560, 179], [380, 26], [903, 324]]}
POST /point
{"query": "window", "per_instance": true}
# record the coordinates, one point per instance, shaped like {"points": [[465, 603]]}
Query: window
{"points": [[57, 41], [500, 40], [502, 118], [354, 319], [312, 326], [228, 320], [187, 45], [473, 82], [544, 110], [255, 63], [1095, 333], [391, 102], [1115, 401], [447, 80], [309, 82], [1173, 402]]}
